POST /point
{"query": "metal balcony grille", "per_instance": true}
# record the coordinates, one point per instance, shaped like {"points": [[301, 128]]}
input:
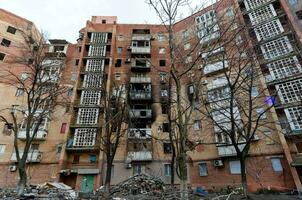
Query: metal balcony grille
{"points": [[88, 116], [97, 50], [276, 48], [98, 38], [262, 14], [290, 92], [84, 137], [90, 97], [284, 68], [294, 117], [92, 80], [95, 65], [269, 30], [252, 4], [207, 26]]}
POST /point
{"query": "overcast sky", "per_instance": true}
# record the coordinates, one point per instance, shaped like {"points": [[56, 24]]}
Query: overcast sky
{"points": [[62, 19]]}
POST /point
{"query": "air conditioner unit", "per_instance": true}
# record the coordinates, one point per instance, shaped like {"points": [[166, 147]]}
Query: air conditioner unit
{"points": [[12, 168], [129, 48], [204, 82], [128, 165], [218, 163], [128, 60], [44, 135], [199, 67]]}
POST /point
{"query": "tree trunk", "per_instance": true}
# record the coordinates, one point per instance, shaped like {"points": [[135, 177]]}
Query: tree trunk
{"points": [[243, 175], [23, 179], [183, 176], [108, 175], [183, 190]]}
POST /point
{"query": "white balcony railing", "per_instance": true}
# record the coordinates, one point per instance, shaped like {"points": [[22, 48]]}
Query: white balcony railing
{"points": [[139, 156], [217, 83], [140, 80], [140, 113], [141, 50], [40, 135], [210, 68], [32, 156], [139, 133], [224, 151]]}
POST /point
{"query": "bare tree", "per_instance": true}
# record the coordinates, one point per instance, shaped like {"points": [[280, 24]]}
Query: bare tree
{"points": [[236, 102], [115, 118], [43, 92], [232, 106]]}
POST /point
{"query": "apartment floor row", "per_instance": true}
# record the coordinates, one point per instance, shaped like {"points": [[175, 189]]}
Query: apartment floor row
{"points": [[264, 171]]}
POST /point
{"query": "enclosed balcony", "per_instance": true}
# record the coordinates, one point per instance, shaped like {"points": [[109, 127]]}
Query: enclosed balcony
{"points": [[140, 91], [139, 133], [140, 65], [139, 156], [215, 67], [217, 83], [40, 135], [33, 156], [225, 151], [140, 47]]}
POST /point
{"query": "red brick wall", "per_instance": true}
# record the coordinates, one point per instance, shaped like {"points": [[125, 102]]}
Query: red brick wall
{"points": [[221, 177], [37, 174]]}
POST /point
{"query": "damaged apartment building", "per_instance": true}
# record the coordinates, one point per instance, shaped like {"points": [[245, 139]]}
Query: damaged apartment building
{"points": [[109, 55]]}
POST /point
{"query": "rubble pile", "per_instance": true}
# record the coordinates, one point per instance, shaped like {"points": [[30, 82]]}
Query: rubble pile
{"points": [[138, 185], [44, 191]]}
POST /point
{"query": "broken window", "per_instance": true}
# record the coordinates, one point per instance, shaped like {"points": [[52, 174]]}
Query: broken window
{"points": [[11, 30], [167, 147], [5, 42], [166, 127], [162, 63], [2, 56], [118, 63]]}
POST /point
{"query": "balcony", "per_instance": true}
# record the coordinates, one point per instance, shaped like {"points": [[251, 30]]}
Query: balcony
{"points": [[141, 50], [139, 156], [140, 95], [215, 67], [140, 80], [225, 151], [81, 148], [34, 156], [140, 113], [221, 82], [141, 65], [139, 133], [40, 135]]}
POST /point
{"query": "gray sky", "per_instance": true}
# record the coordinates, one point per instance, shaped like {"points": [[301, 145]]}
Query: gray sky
{"points": [[62, 19]]}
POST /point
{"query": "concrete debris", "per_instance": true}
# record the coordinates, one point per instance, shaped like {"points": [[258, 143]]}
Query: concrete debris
{"points": [[135, 186], [49, 190]]}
